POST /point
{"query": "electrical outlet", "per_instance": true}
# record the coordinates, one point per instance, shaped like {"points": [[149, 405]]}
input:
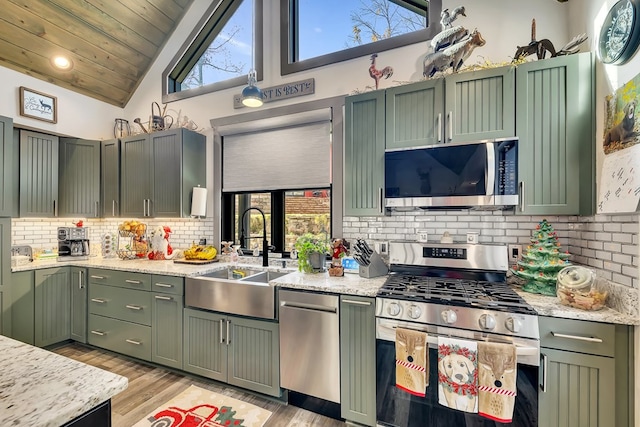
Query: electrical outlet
{"points": [[381, 247], [515, 252]]}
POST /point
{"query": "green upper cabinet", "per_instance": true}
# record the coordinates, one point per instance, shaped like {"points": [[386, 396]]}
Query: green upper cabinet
{"points": [[555, 124], [79, 174], [480, 105], [110, 178], [364, 154], [158, 172], [414, 114], [38, 174], [6, 163]]}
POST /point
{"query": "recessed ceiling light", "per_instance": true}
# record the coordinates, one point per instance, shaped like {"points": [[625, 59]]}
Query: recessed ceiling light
{"points": [[62, 62]]}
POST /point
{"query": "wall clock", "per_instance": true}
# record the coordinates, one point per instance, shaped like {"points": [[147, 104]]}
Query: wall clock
{"points": [[620, 33]]}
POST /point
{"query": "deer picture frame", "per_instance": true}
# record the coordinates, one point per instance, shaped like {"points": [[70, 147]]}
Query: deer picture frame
{"points": [[38, 105]]}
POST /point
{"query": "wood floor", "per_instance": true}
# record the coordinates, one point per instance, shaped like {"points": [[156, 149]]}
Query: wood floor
{"points": [[149, 387]]}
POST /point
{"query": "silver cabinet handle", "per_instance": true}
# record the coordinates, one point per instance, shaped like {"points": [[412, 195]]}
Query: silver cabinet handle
{"points": [[450, 116], [113, 208], [144, 207], [55, 208], [98, 300], [522, 201], [228, 336], [80, 279], [221, 336], [163, 298], [96, 209], [439, 135], [99, 333], [545, 366], [97, 277], [576, 337], [163, 285], [134, 342], [133, 282], [133, 307], [350, 301]]}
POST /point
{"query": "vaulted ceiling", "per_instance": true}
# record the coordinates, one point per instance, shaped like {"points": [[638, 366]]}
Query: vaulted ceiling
{"points": [[112, 43]]}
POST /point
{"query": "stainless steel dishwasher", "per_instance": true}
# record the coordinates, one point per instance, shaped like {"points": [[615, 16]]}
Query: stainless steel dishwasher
{"points": [[310, 344]]}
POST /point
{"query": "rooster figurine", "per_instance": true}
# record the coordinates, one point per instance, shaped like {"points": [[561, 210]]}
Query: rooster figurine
{"points": [[447, 18], [376, 74]]}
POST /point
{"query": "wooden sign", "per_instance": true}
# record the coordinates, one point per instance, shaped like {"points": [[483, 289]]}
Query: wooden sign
{"points": [[283, 91]]}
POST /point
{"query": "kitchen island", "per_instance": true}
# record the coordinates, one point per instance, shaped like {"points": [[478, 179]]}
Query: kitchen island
{"points": [[40, 388]]}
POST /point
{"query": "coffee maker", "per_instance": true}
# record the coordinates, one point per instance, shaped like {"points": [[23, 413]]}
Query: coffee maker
{"points": [[73, 243]]}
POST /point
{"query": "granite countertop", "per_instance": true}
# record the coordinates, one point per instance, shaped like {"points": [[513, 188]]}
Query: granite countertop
{"points": [[41, 388], [351, 284]]}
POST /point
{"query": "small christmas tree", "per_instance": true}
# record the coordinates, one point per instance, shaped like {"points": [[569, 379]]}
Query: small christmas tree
{"points": [[542, 261]]}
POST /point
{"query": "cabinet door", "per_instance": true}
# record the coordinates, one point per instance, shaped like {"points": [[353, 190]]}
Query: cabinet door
{"points": [[5, 311], [22, 306], [166, 326], [254, 361], [136, 176], [578, 390], [52, 306], [38, 174], [480, 105], [5, 276], [555, 126], [205, 347], [6, 166], [364, 154], [358, 359], [79, 304], [79, 178], [414, 114], [110, 179], [167, 185]]}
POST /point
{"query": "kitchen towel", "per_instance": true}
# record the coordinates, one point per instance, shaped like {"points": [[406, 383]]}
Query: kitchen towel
{"points": [[412, 361], [496, 380], [458, 374]]}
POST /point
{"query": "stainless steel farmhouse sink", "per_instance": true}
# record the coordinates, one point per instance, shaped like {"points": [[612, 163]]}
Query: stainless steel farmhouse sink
{"points": [[242, 291]]}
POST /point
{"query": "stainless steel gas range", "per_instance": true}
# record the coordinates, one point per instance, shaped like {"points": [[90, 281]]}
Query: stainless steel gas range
{"points": [[458, 291]]}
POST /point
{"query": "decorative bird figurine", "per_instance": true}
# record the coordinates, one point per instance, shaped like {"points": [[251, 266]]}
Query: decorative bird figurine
{"points": [[376, 74], [446, 17]]}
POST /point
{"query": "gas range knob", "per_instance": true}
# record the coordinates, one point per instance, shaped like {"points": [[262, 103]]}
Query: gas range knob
{"points": [[393, 309], [414, 311], [513, 324], [449, 316], [487, 322]]}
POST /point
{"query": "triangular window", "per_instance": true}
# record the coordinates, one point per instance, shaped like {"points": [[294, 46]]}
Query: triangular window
{"points": [[218, 54]]}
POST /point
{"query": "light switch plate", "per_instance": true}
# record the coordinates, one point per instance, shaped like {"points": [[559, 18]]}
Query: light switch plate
{"points": [[381, 247], [515, 252]]}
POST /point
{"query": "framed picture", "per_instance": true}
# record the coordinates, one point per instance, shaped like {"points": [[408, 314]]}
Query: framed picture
{"points": [[38, 105]]}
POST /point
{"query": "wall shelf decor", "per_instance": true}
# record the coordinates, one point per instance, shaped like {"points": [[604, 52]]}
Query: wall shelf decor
{"points": [[38, 105]]}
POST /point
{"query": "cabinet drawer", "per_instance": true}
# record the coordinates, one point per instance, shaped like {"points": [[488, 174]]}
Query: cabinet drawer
{"points": [[167, 284], [119, 336], [577, 335], [124, 304], [123, 279]]}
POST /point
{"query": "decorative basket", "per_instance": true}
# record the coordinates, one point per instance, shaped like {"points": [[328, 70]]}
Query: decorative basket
{"points": [[126, 254]]}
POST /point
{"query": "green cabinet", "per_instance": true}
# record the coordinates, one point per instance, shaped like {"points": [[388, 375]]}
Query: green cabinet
{"points": [[555, 124], [358, 359], [166, 322], [38, 174], [364, 154], [159, 171], [5, 276], [6, 166], [22, 306], [78, 277], [110, 178], [52, 316], [235, 350], [79, 178], [586, 374]]}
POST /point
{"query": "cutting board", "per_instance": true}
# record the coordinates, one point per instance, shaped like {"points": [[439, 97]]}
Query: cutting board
{"points": [[195, 261]]}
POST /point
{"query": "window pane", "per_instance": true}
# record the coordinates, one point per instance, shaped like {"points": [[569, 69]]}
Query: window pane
{"points": [[253, 225], [329, 26], [306, 211], [229, 54]]}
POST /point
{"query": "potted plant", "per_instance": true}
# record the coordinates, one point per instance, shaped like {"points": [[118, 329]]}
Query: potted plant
{"points": [[312, 251]]}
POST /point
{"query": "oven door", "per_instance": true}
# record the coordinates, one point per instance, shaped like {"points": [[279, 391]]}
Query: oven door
{"points": [[395, 407]]}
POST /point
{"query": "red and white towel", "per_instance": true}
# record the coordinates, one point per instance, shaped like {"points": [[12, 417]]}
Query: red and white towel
{"points": [[412, 361], [458, 374], [497, 369]]}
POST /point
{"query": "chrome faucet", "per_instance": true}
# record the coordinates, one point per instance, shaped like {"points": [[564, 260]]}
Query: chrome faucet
{"points": [[265, 244]]}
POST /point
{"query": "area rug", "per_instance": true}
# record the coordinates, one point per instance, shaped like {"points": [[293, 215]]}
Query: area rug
{"points": [[197, 407]]}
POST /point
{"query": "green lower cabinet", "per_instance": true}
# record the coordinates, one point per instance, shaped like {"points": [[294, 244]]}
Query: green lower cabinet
{"points": [[235, 350], [358, 359], [5, 310], [166, 326], [22, 306], [52, 306], [79, 304], [120, 336], [579, 390]]}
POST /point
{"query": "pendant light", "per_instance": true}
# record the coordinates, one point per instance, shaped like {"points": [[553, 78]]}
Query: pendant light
{"points": [[252, 95]]}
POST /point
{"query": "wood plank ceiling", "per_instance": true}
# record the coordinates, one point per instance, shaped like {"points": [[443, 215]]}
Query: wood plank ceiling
{"points": [[112, 43]]}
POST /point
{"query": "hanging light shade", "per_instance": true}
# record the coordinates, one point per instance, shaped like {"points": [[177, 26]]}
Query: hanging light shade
{"points": [[252, 95]]}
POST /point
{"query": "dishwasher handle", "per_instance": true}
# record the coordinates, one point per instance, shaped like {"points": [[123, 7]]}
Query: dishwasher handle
{"points": [[310, 307]]}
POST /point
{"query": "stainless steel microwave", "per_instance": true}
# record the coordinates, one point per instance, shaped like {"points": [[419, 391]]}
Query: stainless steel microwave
{"points": [[481, 174]]}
